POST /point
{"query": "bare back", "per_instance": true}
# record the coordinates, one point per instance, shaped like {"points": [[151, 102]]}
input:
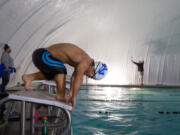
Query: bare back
{"points": [[69, 53]]}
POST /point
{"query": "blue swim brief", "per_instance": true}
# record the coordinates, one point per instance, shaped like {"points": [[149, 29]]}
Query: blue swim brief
{"points": [[48, 65]]}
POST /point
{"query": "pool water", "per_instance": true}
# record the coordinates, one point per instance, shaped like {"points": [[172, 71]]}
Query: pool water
{"points": [[127, 111]]}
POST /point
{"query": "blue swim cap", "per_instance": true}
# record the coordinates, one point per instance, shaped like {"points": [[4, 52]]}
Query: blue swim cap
{"points": [[100, 70]]}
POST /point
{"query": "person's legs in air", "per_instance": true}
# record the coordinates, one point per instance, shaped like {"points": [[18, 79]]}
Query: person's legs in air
{"points": [[31, 77]]}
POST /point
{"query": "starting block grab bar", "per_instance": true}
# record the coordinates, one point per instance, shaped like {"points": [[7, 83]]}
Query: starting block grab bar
{"points": [[38, 97]]}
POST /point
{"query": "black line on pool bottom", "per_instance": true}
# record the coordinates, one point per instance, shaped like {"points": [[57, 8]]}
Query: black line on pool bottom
{"points": [[162, 112]]}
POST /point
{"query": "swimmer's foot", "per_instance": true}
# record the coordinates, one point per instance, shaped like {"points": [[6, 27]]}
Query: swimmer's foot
{"points": [[65, 99], [27, 82]]}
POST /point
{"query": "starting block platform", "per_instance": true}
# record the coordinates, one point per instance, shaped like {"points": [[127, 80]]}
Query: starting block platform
{"points": [[37, 97], [40, 97]]}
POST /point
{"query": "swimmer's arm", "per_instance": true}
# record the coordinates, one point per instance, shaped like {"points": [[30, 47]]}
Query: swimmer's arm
{"points": [[71, 84], [78, 79]]}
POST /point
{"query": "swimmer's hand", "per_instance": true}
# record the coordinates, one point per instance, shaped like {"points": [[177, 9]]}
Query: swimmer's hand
{"points": [[73, 101], [70, 100]]}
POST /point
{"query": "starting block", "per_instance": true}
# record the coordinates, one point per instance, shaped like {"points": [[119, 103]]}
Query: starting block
{"points": [[40, 97], [37, 97]]}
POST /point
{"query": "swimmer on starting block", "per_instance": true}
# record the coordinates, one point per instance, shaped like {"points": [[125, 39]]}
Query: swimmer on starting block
{"points": [[50, 61]]}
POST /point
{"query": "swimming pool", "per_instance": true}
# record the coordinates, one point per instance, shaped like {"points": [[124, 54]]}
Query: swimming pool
{"points": [[127, 111]]}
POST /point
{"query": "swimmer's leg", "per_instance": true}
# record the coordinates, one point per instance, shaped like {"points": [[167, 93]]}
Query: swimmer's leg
{"points": [[60, 80], [28, 78]]}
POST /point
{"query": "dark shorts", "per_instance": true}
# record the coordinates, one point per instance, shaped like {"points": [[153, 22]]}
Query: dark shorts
{"points": [[48, 65]]}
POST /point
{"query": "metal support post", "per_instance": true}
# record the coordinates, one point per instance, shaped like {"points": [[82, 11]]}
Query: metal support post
{"points": [[33, 109], [23, 117]]}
